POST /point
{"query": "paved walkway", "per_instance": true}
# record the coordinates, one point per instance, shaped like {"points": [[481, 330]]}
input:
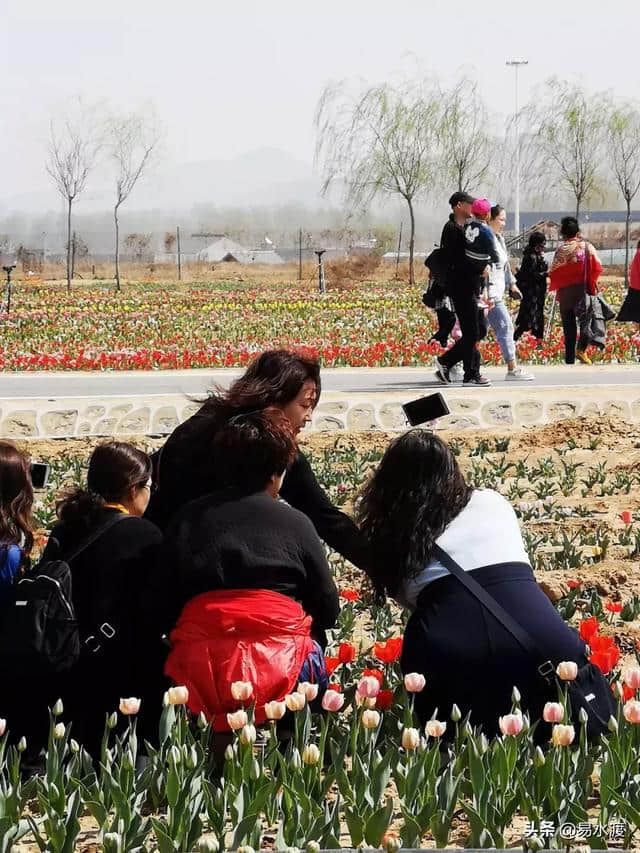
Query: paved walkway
{"points": [[195, 383]]}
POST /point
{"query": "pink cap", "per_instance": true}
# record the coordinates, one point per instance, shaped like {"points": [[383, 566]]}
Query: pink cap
{"points": [[480, 207]]}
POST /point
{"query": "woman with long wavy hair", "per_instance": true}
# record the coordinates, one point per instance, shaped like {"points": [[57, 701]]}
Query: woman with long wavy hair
{"points": [[184, 468], [418, 499], [16, 522]]}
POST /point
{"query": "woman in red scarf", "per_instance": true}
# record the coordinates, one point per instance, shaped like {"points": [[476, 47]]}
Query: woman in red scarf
{"points": [[630, 310], [575, 272]]}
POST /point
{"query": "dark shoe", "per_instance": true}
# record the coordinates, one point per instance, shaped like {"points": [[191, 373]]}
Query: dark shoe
{"points": [[442, 373], [478, 379]]}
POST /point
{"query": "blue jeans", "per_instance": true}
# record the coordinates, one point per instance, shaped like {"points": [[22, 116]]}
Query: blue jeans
{"points": [[314, 670], [500, 321]]}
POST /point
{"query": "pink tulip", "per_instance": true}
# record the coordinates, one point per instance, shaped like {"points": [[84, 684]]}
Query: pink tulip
{"points": [[510, 724], [368, 687], [435, 728], [177, 695], [308, 690], [631, 677], [332, 701], [129, 706], [242, 691], [370, 719], [567, 670], [414, 682], [3, 726], [274, 710], [237, 720], [562, 735], [553, 712], [631, 711], [410, 739]]}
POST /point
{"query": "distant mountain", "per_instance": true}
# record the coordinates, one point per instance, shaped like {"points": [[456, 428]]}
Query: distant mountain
{"points": [[264, 176]]}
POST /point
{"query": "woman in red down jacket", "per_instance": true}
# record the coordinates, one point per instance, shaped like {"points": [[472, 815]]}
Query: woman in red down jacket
{"points": [[250, 576], [575, 271]]}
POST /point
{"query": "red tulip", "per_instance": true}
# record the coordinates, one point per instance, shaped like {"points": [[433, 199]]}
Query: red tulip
{"points": [[573, 584], [331, 664], [605, 661], [389, 651], [349, 594], [613, 606], [346, 653], [588, 628], [384, 700], [337, 688], [376, 673], [626, 516]]}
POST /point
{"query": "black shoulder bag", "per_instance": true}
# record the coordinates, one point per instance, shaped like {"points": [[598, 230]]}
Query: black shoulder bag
{"points": [[590, 690]]}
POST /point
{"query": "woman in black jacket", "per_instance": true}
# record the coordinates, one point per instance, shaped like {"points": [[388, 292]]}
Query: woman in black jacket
{"points": [[184, 468], [247, 571], [532, 281], [112, 589]]}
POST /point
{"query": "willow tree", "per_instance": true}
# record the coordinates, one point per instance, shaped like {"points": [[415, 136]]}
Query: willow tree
{"points": [[467, 147], [132, 141], [381, 143], [564, 135], [623, 139], [73, 147]]}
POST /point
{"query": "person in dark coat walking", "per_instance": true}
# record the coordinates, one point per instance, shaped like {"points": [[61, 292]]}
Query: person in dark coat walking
{"points": [[531, 279], [184, 468], [417, 499], [463, 284], [112, 584]]}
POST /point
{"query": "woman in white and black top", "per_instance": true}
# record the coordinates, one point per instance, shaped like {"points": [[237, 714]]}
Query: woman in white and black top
{"points": [[416, 499]]}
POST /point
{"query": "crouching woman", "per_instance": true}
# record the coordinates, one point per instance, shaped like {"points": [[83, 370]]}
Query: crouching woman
{"points": [[416, 500], [250, 575]]}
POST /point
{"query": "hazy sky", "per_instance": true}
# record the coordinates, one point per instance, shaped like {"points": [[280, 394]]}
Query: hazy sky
{"points": [[229, 77]]}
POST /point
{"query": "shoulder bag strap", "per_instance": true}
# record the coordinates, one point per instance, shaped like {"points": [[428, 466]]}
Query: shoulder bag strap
{"points": [[95, 536], [522, 637]]}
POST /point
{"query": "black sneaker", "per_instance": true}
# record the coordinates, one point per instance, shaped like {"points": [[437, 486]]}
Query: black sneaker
{"points": [[442, 373], [478, 379]]}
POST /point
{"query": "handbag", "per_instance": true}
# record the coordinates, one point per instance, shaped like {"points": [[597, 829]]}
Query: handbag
{"points": [[589, 691]]}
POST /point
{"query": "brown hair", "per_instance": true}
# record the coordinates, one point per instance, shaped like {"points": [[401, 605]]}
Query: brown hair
{"points": [[16, 498], [250, 448], [114, 468], [274, 378]]}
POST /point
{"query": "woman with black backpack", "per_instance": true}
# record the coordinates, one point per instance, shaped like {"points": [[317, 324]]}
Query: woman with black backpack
{"points": [[112, 553]]}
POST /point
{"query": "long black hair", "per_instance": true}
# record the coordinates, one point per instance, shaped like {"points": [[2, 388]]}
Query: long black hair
{"points": [[115, 468], [416, 490]]}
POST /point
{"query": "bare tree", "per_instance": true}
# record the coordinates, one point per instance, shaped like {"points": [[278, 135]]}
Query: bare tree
{"points": [[466, 143], [564, 138], [624, 151], [132, 141], [73, 147], [384, 142]]}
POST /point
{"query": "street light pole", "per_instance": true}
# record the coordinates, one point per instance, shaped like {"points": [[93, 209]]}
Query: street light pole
{"points": [[516, 63]]}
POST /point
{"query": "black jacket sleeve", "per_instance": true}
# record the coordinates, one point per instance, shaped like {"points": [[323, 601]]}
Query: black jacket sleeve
{"points": [[301, 489], [320, 598]]}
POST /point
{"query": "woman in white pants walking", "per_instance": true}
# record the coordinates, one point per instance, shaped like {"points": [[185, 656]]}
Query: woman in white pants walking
{"points": [[501, 279]]}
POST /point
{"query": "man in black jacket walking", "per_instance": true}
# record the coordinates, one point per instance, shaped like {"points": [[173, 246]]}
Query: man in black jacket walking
{"points": [[463, 284]]}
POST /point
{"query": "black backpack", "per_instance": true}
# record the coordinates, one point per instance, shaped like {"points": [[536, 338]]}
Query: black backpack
{"points": [[39, 632]]}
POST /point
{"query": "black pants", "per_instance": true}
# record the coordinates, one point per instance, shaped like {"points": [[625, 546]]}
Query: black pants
{"points": [[568, 299], [465, 304], [477, 666]]}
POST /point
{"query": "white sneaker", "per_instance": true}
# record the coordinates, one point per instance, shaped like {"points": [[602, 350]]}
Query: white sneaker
{"points": [[519, 375], [456, 373]]}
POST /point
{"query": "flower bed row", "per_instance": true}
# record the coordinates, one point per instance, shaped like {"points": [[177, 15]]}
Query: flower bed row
{"points": [[371, 325]]}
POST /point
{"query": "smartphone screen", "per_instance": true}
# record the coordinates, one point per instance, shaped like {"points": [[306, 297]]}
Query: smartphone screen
{"points": [[39, 474], [425, 409]]}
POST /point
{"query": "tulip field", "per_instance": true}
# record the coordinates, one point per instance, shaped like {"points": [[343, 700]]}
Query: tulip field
{"points": [[359, 770], [223, 324]]}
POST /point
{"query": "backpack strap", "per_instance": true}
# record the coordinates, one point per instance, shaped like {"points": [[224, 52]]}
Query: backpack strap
{"points": [[522, 637], [94, 536]]}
